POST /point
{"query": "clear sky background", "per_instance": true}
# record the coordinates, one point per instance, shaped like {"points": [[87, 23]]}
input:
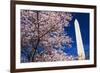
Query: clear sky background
{"points": [[83, 19]]}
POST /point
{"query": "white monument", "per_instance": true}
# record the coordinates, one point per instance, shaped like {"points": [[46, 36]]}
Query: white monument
{"points": [[80, 48]]}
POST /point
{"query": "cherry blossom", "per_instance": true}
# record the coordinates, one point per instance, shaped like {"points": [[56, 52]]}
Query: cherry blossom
{"points": [[45, 29]]}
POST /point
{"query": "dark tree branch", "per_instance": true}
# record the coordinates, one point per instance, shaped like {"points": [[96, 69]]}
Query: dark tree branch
{"points": [[38, 39], [38, 29]]}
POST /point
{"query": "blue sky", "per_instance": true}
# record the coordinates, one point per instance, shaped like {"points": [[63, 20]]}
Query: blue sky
{"points": [[83, 19]]}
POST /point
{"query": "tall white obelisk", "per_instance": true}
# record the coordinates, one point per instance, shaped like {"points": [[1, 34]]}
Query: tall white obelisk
{"points": [[80, 48]]}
